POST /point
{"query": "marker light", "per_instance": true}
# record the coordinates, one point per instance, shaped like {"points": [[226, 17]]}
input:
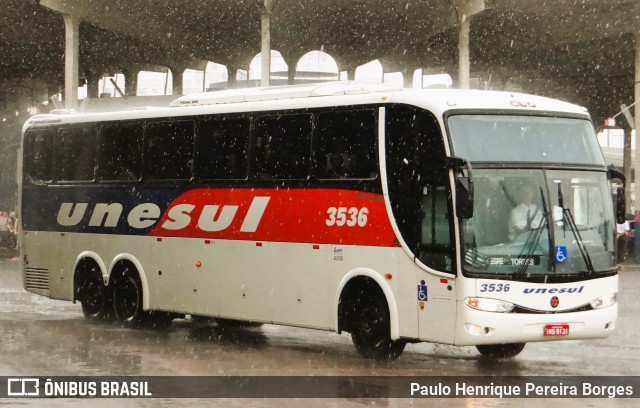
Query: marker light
{"points": [[488, 305], [604, 301]]}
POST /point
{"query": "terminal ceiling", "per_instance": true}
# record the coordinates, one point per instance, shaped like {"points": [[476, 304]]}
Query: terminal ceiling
{"points": [[580, 50]]}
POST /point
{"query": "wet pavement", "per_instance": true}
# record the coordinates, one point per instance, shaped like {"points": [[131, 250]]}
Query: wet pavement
{"points": [[43, 337]]}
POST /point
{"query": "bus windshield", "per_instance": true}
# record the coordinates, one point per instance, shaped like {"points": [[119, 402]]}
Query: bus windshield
{"points": [[534, 222], [538, 222], [506, 138]]}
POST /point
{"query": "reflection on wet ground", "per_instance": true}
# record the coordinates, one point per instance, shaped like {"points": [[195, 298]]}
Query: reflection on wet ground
{"points": [[40, 336]]}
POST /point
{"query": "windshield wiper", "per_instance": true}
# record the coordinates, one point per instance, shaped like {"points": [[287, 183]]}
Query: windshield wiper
{"points": [[567, 218], [534, 237]]}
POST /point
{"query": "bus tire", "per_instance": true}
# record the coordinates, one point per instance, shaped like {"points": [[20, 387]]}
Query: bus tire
{"points": [[370, 331], [507, 350], [94, 298], [127, 298]]}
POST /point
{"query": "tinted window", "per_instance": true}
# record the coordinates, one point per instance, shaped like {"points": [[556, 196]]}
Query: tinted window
{"points": [[75, 154], [38, 146], [418, 184], [222, 148], [282, 146], [120, 152], [168, 153], [346, 145]]}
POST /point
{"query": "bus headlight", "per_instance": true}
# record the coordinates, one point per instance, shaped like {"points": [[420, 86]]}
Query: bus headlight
{"points": [[488, 305], [604, 301]]}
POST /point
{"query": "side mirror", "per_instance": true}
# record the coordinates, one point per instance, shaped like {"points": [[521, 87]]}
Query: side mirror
{"points": [[464, 197], [464, 186], [614, 173], [620, 206]]}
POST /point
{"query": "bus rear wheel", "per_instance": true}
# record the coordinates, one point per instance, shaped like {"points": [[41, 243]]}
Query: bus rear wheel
{"points": [[507, 350], [94, 298], [127, 299], [370, 330]]}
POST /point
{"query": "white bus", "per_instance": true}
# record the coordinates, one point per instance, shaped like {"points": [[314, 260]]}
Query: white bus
{"points": [[381, 212]]}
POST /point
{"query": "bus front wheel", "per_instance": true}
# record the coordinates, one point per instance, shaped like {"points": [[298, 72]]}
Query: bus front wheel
{"points": [[507, 350], [370, 330], [127, 299]]}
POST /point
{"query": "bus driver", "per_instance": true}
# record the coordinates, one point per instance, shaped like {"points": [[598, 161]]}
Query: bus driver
{"points": [[527, 215]]}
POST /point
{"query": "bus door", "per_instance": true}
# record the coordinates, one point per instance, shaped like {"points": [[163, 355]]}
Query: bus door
{"points": [[420, 196], [435, 251]]}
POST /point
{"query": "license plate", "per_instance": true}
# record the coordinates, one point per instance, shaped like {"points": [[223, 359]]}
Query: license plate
{"points": [[556, 330]]}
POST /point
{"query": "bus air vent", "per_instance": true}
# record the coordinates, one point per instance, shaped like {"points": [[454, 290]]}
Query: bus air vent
{"points": [[37, 278]]}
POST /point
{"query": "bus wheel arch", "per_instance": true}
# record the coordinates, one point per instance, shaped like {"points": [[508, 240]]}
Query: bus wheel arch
{"points": [[367, 311], [90, 290]]}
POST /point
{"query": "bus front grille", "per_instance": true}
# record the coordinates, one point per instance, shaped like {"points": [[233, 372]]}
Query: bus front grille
{"points": [[37, 278]]}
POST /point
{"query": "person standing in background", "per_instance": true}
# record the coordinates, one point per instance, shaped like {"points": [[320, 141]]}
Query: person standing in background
{"points": [[5, 230], [636, 238]]}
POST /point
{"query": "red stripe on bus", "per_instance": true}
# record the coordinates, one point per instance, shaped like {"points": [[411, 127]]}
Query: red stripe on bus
{"points": [[323, 216]]}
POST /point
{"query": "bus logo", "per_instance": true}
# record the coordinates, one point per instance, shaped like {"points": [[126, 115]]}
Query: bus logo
{"points": [[212, 217], [22, 387]]}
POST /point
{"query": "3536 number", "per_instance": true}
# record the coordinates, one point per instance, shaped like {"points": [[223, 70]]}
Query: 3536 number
{"points": [[341, 216], [494, 287]]}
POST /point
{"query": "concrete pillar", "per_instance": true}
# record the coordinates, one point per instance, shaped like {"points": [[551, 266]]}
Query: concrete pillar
{"points": [[176, 75], [291, 74], [265, 74], [232, 73], [71, 58], [407, 77], [636, 160], [351, 74], [626, 161], [266, 7], [93, 84], [131, 81], [291, 59], [464, 27], [464, 9]]}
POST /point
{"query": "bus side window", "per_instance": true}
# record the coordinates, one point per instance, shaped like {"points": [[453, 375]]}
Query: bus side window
{"points": [[75, 153], [120, 152], [168, 150], [38, 163], [282, 147], [418, 185], [222, 145], [402, 172], [346, 145]]}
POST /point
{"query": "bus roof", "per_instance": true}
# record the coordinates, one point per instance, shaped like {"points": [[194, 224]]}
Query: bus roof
{"points": [[336, 93]]}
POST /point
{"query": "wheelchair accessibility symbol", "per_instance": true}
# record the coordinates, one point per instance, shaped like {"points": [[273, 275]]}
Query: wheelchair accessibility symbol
{"points": [[561, 254], [422, 293]]}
